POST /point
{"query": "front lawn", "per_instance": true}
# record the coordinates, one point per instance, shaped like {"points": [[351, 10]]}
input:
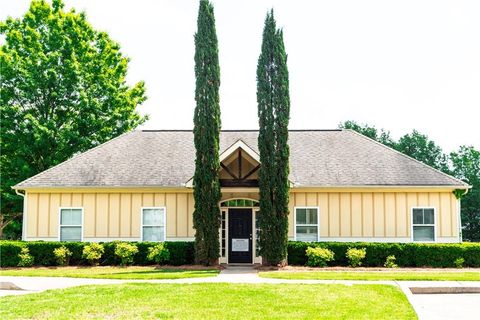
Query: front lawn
{"points": [[365, 274], [134, 272], [212, 301]]}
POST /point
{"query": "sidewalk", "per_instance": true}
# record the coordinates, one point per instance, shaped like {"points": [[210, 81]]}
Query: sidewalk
{"points": [[427, 306]]}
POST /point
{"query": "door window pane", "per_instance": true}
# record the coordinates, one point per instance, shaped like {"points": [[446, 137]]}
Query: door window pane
{"points": [[70, 233], [307, 234], [423, 233]]}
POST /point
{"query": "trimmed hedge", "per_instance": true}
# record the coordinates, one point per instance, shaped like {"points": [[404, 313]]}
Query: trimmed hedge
{"points": [[182, 252], [42, 251], [406, 254]]}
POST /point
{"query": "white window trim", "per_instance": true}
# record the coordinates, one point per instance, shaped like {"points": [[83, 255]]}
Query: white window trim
{"points": [[434, 225], [70, 225], [306, 225], [148, 225]]}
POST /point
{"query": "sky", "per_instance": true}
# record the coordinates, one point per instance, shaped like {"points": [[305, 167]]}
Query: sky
{"points": [[398, 65]]}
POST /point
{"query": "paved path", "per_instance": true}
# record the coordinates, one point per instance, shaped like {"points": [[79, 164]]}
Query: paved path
{"points": [[427, 306]]}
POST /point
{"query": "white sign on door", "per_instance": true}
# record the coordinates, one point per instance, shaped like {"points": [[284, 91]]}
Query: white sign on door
{"points": [[240, 244]]}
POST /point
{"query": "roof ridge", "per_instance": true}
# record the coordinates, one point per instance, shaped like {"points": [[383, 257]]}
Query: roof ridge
{"points": [[72, 158], [239, 130], [407, 156]]}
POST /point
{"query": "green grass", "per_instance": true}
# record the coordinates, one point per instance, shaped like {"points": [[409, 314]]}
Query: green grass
{"points": [[374, 275], [212, 301], [111, 272]]}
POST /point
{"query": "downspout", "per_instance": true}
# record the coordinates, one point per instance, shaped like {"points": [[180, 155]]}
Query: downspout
{"points": [[459, 215], [24, 215]]}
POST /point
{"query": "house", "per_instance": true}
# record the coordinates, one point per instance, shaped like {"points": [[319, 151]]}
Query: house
{"points": [[344, 187]]}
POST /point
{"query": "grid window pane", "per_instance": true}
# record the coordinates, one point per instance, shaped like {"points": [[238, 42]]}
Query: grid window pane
{"points": [[428, 216], [423, 233], [70, 233], [312, 216], [307, 234], [417, 216], [71, 217], [153, 233], [153, 217], [301, 216]]}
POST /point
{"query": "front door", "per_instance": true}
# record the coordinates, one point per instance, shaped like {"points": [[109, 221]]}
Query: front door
{"points": [[240, 235]]}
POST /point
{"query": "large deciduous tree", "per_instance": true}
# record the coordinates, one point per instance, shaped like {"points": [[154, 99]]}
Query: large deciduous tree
{"points": [[207, 194], [273, 113], [418, 146], [63, 91]]}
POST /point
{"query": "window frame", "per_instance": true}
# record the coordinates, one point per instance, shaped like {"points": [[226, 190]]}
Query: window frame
{"points": [[70, 225], [434, 225], [148, 225], [306, 225]]}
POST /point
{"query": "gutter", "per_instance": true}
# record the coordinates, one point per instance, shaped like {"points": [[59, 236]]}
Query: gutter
{"points": [[24, 215]]}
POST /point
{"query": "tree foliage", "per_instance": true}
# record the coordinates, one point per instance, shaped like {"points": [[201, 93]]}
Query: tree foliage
{"points": [[273, 112], [207, 194], [464, 164], [63, 91]]}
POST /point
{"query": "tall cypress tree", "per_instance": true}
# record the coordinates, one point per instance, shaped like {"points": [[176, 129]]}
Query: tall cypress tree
{"points": [[273, 112], [207, 194]]}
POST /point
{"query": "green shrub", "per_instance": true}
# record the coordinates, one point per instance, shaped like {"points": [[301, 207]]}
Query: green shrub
{"points": [[62, 255], [390, 262], [459, 263], [158, 254], [93, 252], [9, 251], [318, 257], [125, 251], [355, 256], [25, 258], [434, 255]]}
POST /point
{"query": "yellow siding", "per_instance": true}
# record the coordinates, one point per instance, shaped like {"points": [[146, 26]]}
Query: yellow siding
{"points": [[360, 214]]}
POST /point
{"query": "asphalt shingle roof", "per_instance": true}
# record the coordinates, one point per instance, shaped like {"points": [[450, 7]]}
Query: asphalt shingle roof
{"points": [[166, 159]]}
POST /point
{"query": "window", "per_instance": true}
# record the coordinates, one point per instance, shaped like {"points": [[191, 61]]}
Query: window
{"points": [[71, 224], [223, 234], [153, 224], [257, 234], [306, 224], [240, 203], [423, 224]]}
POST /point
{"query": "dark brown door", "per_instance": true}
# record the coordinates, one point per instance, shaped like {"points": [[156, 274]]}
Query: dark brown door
{"points": [[240, 235]]}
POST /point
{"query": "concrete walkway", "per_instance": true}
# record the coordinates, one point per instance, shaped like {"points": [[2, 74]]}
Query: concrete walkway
{"points": [[427, 306]]}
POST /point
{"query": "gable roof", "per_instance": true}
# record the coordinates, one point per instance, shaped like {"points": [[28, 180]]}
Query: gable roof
{"points": [[166, 158]]}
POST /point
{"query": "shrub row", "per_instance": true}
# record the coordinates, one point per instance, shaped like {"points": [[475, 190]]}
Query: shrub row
{"points": [[181, 253], [406, 254]]}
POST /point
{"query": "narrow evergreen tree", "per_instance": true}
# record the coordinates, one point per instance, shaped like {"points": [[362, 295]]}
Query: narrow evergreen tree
{"points": [[207, 194], [273, 112]]}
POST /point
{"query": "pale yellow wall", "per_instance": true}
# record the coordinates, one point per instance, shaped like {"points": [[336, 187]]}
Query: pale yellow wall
{"points": [[375, 214], [342, 214], [108, 214]]}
